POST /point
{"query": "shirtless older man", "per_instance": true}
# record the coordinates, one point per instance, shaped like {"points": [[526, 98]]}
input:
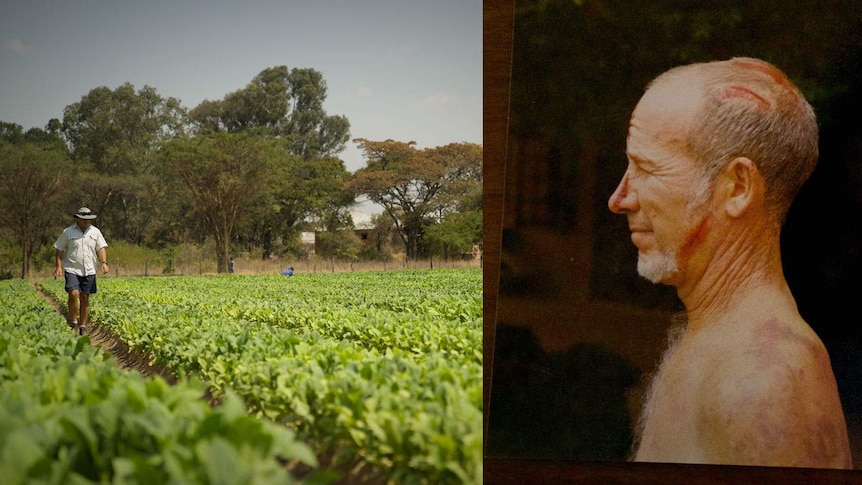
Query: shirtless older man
{"points": [[716, 153]]}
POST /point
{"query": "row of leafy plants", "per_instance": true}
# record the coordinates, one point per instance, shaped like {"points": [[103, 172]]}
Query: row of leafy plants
{"points": [[379, 370], [70, 415]]}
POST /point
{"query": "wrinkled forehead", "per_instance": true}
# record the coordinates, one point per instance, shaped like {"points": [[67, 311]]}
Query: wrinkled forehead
{"points": [[673, 102], [664, 118]]}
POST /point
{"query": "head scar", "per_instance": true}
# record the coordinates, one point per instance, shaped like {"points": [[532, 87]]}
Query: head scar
{"points": [[777, 76], [765, 68], [737, 91]]}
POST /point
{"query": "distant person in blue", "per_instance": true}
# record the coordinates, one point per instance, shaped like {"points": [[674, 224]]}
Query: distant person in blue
{"points": [[288, 272], [230, 268]]}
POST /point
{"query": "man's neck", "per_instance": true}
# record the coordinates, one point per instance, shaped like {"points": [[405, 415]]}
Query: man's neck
{"points": [[743, 274]]}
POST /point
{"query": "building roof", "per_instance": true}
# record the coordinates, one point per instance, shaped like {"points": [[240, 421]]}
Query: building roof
{"points": [[362, 220]]}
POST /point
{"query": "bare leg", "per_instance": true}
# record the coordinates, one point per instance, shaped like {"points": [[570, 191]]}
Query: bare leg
{"points": [[73, 305], [85, 308]]}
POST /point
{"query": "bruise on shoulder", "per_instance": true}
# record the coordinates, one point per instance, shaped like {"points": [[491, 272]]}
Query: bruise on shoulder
{"points": [[774, 411], [772, 330], [773, 340]]}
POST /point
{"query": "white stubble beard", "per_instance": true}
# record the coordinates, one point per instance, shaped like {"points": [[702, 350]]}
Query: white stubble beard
{"points": [[658, 267]]}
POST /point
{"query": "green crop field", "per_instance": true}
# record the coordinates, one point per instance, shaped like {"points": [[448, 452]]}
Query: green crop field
{"points": [[69, 415], [380, 371]]}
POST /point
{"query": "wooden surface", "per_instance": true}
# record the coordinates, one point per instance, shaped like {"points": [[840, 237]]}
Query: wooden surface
{"points": [[538, 472], [497, 60], [498, 30]]}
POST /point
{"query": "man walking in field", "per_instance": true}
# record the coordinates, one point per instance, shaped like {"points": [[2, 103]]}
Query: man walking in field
{"points": [[79, 249]]}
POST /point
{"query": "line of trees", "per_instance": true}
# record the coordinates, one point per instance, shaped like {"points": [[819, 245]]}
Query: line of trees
{"points": [[249, 171]]}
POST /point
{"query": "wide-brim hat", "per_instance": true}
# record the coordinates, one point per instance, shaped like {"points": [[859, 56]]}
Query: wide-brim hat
{"points": [[85, 213]]}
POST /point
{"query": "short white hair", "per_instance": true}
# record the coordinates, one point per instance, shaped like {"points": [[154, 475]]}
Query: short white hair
{"points": [[751, 109]]}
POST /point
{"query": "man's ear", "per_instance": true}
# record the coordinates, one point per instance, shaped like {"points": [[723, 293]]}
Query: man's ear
{"points": [[743, 184]]}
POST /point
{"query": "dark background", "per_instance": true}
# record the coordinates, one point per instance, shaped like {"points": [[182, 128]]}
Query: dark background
{"points": [[577, 330]]}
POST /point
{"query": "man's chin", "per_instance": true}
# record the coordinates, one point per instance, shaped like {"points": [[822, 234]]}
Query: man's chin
{"points": [[658, 268]]}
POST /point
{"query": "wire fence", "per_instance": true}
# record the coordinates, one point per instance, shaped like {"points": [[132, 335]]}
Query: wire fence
{"points": [[258, 266]]}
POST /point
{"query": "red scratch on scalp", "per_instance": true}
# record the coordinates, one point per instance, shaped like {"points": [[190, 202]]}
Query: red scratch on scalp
{"points": [[779, 77], [765, 68], [743, 92]]}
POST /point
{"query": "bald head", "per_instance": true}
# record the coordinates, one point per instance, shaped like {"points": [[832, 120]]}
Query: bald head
{"points": [[743, 107]]}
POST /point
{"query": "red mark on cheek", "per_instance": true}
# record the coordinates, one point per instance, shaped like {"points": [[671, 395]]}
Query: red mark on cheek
{"points": [[743, 92], [695, 239]]}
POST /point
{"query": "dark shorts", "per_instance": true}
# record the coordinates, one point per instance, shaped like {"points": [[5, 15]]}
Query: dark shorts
{"points": [[85, 284]]}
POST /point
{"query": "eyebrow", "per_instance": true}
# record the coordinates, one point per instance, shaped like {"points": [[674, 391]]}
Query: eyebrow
{"points": [[638, 160]]}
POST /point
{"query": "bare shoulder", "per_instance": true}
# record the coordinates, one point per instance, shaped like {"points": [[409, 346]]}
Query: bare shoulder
{"points": [[773, 401]]}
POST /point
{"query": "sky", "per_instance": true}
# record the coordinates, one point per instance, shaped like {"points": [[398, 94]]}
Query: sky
{"points": [[407, 70]]}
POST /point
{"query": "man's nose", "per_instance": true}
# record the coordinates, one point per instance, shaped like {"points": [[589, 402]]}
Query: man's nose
{"points": [[623, 200]]}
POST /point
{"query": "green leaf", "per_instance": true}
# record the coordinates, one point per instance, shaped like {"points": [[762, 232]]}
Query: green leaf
{"points": [[286, 446], [19, 452], [76, 426], [232, 406], [222, 464]]}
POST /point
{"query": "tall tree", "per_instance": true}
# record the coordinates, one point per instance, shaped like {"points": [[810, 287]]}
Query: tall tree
{"points": [[301, 195], [315, 134], [462, 164], [316, 192], [114, 135], [285, 103], [116, 131], [455, 234], [34, 172], [416, 187], [11, 132], [220, 172]]}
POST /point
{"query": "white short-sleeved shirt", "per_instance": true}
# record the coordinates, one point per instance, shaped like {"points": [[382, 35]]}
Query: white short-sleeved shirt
{"points": [[79, 249]]}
